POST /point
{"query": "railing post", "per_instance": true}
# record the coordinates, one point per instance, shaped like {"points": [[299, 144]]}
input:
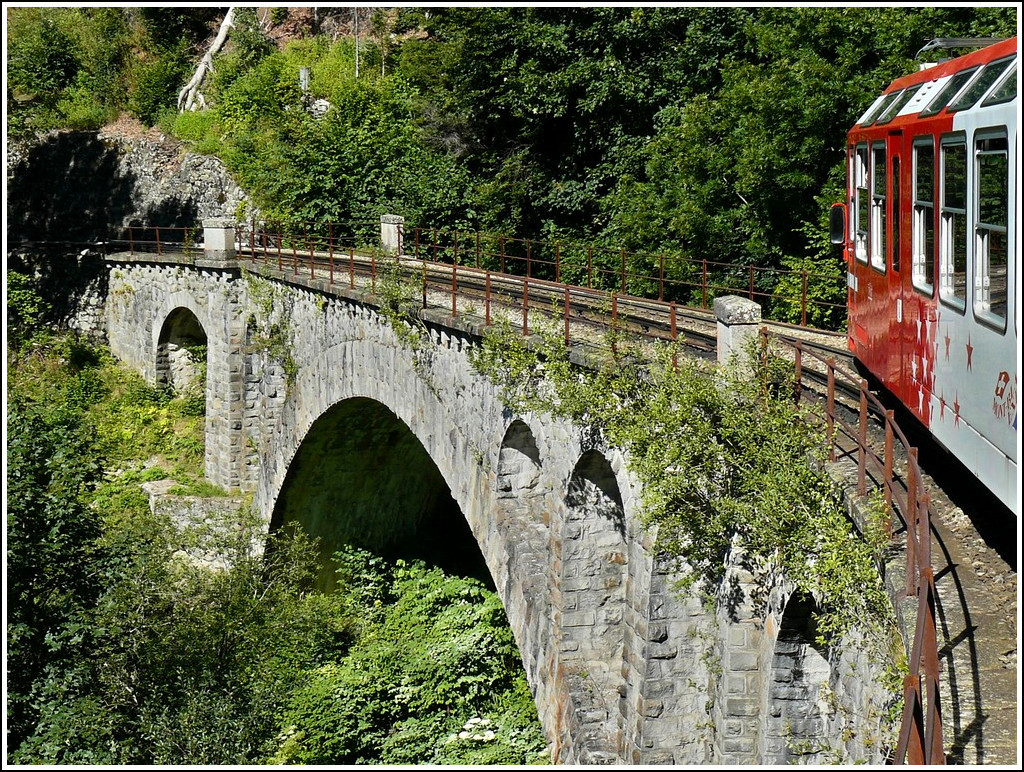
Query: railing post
{"points": [[487, 298], [526, 305], [799, 367], [862, 440], [615, 322], [565, 314], [158, 241], [455, 289], [888, 463], [830, 409], [751, 269], [674, 334], [501, 243], [930, 662], [312, 261], [913, 514], [910, 745]]}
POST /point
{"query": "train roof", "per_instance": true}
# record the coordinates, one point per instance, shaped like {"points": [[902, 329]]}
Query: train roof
{"points": [[952, 85]]}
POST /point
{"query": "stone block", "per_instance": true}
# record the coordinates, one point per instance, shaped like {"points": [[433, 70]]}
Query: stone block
{"points": [[579, 619], [741, 706], [743, 661], [744, 745]]}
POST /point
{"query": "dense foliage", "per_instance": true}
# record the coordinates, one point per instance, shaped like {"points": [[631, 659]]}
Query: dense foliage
{"points": [[132, 640], [725, 461], [714, 133]]}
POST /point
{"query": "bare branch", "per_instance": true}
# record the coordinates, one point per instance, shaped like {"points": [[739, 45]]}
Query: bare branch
{"points": [[189, 96]]}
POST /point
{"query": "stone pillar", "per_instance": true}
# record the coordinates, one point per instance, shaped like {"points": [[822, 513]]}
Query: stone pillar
{"points": [[392, 228], [738, 322], [219, 238]]}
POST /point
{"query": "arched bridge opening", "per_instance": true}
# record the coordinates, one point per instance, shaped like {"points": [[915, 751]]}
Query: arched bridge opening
{"points": [[362, 478], [181, 352]]}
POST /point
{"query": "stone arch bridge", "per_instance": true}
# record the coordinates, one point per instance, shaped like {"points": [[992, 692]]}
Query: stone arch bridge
{"points": [[315, 404]]}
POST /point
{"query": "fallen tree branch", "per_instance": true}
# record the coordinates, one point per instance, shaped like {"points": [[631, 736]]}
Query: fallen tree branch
{"points": [[188, 96]]}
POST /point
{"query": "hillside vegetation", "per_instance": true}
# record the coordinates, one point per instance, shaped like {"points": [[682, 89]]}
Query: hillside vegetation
{"points": [[132, 640], [716, 133]]}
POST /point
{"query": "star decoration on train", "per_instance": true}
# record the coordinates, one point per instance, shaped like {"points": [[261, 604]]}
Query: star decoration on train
{"points": [[947, 345], [970, 352], [956, 410], [942, 407]]}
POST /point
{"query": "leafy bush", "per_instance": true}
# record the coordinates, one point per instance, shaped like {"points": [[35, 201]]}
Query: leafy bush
{"points": [[155, 84], [433, 654]]}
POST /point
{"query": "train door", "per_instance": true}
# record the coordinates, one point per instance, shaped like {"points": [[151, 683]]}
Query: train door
{"points": [[893, 250], [868, 280], [919, 269]]}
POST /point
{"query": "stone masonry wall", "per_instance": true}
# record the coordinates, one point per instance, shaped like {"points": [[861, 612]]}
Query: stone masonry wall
{"points": [[624, 667]]}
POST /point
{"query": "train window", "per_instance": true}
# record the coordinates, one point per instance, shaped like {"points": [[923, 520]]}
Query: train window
{"points": [[953, 223], [981, 84], [879, 179], [924, 216], [1005, 91], [880, 107], [898, 104], [948, 92], [859, 221], [993, 175], [894, 187]]}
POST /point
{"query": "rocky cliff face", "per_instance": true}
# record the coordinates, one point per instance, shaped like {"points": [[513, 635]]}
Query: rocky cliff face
{"points": [[68, 191], [89, 186]]}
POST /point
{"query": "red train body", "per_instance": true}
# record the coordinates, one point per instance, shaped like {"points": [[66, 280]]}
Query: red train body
{"points": [[933, 254]]}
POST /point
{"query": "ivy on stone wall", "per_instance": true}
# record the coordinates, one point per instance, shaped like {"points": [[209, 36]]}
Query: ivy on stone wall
{"points": [[721, 457], [270, 331]]}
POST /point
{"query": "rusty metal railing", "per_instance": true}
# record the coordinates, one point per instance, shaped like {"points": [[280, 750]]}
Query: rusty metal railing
{"points": [[920, 736], [662, 277], [658, 276]]}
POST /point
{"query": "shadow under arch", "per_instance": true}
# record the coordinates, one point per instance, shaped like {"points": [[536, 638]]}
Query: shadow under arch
{"points": [[800, 670], [181, 351], [593, 584], [362, 478]]}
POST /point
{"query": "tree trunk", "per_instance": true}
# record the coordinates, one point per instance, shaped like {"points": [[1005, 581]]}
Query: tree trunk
{"points": [[189, 96]]}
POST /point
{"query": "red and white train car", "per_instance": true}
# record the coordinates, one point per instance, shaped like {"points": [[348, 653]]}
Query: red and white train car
{"points": [[933, 254]]}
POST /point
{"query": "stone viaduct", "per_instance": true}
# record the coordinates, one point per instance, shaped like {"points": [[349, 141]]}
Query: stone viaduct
{"points": [[327, 416]]}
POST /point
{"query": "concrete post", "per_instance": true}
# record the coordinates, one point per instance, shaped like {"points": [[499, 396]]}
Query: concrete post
{"points": [[738, 322], [219, 238], [392, 228]]}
